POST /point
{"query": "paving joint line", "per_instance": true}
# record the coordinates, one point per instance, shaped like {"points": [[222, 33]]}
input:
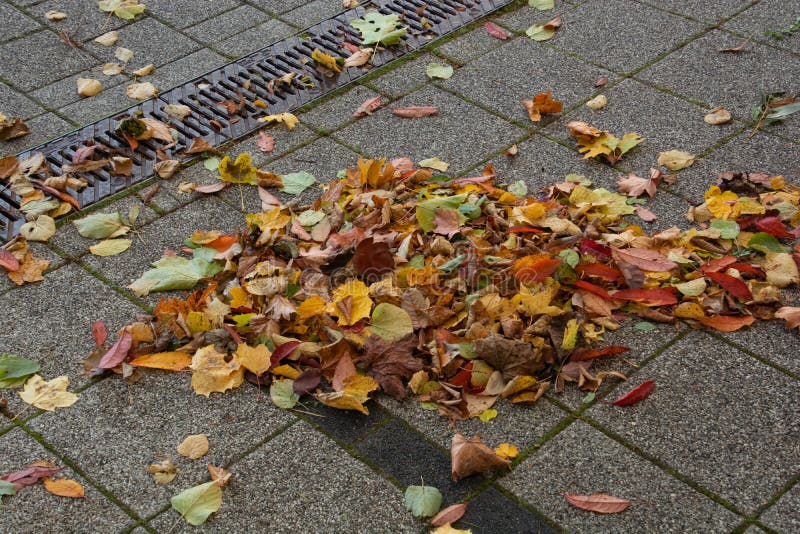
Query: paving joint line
{"points": [[753, 354]]}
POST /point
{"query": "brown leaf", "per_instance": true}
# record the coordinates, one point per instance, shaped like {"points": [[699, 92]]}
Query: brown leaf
{"points": [[121, 166], [99, 333], [198, 145], [30, 269], [451, 514], [496, 31], [513, 357], [372, 259], [789, 314], [645, 214], [542, 103], [8, 165], [414, 112], [11, 128], [644, 258], [87, 165], [368, 106], [194, 446], [64, 487], [601, 503], [390, 361], [266, 143], [601, 82], [446, 222], [472, 456], [219, 475]]}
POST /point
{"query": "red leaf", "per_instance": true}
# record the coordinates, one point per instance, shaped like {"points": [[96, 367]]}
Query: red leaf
{"points": [[265, 142], [599, 270], [368, 106], [8, 261], [598, 250], [462, 378], [718, 264], [307, 381], [451, 514], [372, 259], [773, 226], [660, 296], [644, 258], [601, 503], [413, 112], [581, 355], [99, 332], [727, 323], [747, 268], [282, 351], [732, 285], [118, 352], [496, 31], [30, 475], [535, 267], [597, 290], [211, 188], [524, 230], [639, 393]]}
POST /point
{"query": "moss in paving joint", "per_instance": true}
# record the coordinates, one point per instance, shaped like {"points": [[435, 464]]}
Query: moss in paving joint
{"points": [[758, 38], [468, 100], [659, 7], [115, 287], [72, 465], [479, 166], [260, 444], [530, 508], [661, 465], [547, 436], [755, 355]]}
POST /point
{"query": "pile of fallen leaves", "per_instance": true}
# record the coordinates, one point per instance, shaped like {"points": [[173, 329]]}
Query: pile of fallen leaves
{"points": [[458, 290]]}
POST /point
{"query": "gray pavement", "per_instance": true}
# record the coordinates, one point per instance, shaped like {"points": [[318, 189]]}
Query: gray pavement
{"points": [[715, 449]]}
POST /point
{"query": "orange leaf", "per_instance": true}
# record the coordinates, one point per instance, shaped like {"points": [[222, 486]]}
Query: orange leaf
{"points": [[64, 487], [600, 270], [535, 267], [222, 243], [170, 361], [660, 296], [727, 323], [602, 503], [451, 514], [542, 103]]}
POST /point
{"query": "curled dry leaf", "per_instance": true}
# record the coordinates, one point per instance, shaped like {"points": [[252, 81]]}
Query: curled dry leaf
{"points": [[496, 31], [167, 168], [601, 503], [601, 82], [145, 71], [598, 102], [266, 143], [112, 69], [55, 16], [177, 111], [368, 106], [675, 160], [358, 58], [141, 91], [121, 166], [451, 514], [789, 314], [219, 475], [123, 54], [717, 116], [89, 87], [163, 472], [194, 446], [42, 229], [472, 456], [107, 39], [12, 127], [64, 487], [542, 103], [414, 112]]}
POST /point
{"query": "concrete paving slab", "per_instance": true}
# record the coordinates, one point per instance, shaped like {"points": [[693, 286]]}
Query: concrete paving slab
{"points": [[711, 404], [229, 23], [43, 128], [254, 38], [84, 20], [14, 104], [784, 515], [469, 46], [406, 77], [715, 78], [492, 511], [593, 31], [63, 92], [771, 340], [277, 6], [185, 13], [185, 68], [312, 12], [52, 324], [526, 16], [333, 113], [582, 460], [40, 250], [309, 485], [108, 102], [23, 64], [15, 22], [519, 70], [766, 16], [142, 424], [710, 12], [34, 507], [458, 124]]}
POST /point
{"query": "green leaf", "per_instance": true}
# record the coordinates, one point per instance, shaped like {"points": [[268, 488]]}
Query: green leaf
{"points": [[417, 261], [426, 210], [101, 226], [487, 415], [518, 188], [282, 394], [175, 273], [570, 257], [390, 322], [212, 164], [379, 29], [588, 398], [764, 242], [727, 229], [297, 182], [781, 112], [310, 217], [197, 503], [540, 32], [124, 9], [110, 247], [437, 70], [644, 326], [423, 501], [542, 5], [7, 488], [15, 370]]}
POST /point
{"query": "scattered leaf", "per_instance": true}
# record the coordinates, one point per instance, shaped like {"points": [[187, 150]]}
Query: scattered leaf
{"points": [[194, 446], [55, 16], [472, 456], [197, 503], [717, 116], [101, 226], [675, 160], [89, 87], [639, 393], [544, 32], [451, 514], [297, 182], [15, 370], [496, 31], [48, 395], [423, 501], [42, 229], [266, 143], [415, 112], [434, 163], [107, 39], [598, 102], [141, 91], [163, 472], [376, 28], [287, 119], [600, 503], [64, 487], [437, 70], [542, 103], [124, 9]]}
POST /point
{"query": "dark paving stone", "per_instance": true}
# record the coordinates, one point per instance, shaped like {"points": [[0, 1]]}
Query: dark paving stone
{"points": [[526, 16], [768, 15], [227, 24], [491, 511], [147, 39], [665, 121], [23, 64], [457, 125], [34, 505], [339, 110], [405, 456], [520, 425], [784, 515], [14, 104], [313, 12], [593, 31], [700, 9], [84, 19], [520, 69], [701, 72], [345, 425], [696, 417], [581, 460], [52, 323], [470, 45], [64, 92], [254, 38], [115, 431], [43, 128], [771, 340], [308, 484], [185, 13], [15, 22], [405, 77]]}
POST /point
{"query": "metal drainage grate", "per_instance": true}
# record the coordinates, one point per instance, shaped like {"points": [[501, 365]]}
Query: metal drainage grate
{"points": [[247, 77]]}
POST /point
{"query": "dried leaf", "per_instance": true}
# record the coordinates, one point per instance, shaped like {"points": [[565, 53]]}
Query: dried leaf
{"points": [[266, 143], [141, 91], [675, 160], [163, 472], [194, 446], [542, 103], [89, 86], [600, 503], [48, 395], [42, 229], [368, 106], [717, 116], [414, 112], [472, 456], [639, 393], [145, 71], [64, 487], [423, 501], [108, 38], [451, 514], [496, 31], [598, 102], [197, 503], [170, 361], [358, 58]]}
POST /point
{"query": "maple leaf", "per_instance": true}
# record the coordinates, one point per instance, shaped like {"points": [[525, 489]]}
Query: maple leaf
{"points": [[240, 172], [542, 103], [595, 143], [48, 395], [376, 28]]}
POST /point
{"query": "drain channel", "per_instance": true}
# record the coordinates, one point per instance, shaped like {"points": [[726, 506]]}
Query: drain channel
{"points": [[248, 79]]}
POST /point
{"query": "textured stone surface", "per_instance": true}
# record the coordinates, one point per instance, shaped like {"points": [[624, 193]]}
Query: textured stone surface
{"points": [[519, 70], [492, 511], [23, 64], [523, 18], [695, 417], [227, 24], [43, 128], [768, 15], [65, 91], [581, 460], [771, 340], [84, 19], [15, 22], [14, 104], [309, 13], [246, 41], [313, 486], [339, 110], [185, 13], [406, 77], [700, 9], [470, 45], [34, 505], [457, 124], [184, 69], [784, 515]]}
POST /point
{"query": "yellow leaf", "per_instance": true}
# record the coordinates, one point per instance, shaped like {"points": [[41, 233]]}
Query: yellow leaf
{"points": [[537, 304], [272, 220], [212, 373], [353, 396], [254, 359], [286, 370], [170, 361], [239, 297], [64, 487], [110, 247], [359, 386], [350, 310], [506, 451], [198, 322], [311, 307], [325, 60], [675, 160], [194, 446], [48, 395], [517, 384], [689, 310], [448, 529], [163, 472], [240, 172], [570, 335], [287, 119], [720, 203], [352, 288]]}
